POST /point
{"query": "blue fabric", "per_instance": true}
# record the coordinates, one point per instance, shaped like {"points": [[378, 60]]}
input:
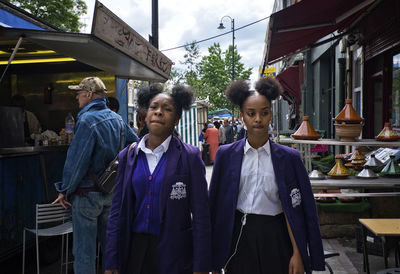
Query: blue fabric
{"points": [[10, 20], [147, 189], [89, 221], [121, 89], [94, 146]]}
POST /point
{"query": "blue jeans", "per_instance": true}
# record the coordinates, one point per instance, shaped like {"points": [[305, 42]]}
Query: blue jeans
{"points": [[89, 221]]}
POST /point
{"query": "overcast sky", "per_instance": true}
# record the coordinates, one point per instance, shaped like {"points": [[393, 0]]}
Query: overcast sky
{"points": [[182, 21]]}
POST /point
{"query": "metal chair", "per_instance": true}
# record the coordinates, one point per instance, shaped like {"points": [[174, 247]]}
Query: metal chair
{"points": [[62, 220], [329, 254]]}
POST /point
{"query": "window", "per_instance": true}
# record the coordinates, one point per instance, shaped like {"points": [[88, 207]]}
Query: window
{"points": [[357, 81], [396, 91]]}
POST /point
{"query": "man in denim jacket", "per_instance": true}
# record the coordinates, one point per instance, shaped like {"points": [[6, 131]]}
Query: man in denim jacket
{"points": [[97, 136]]}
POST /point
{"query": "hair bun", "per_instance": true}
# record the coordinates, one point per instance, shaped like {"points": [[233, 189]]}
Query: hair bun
{"points": [[237, 92], [145, 94], [269, 87], [183, 96]]}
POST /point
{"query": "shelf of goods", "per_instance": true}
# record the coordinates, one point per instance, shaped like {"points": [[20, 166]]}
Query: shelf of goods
{"points": [[304, 146], [392, 184]]}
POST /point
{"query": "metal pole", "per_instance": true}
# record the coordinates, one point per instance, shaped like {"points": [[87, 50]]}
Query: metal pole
{"points": [[154, 22], [233, 65], [11, 57]]}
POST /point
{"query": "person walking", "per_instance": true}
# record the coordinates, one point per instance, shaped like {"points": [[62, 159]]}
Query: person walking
{"points": [[221, 131], [159, 221], [97, 135], [229, 134], [212, 138], [263, 213]]}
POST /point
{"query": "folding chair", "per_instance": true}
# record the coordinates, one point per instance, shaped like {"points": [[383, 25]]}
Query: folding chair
{"points": [[329, 254], [62, 220]]}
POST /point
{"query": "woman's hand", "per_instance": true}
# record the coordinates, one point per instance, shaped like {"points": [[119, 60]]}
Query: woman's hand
{"points": [[296, 264], [61, 199], [111, 271]]}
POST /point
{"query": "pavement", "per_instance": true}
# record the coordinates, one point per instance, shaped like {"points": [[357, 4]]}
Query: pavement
{"points": [[349, 260]]}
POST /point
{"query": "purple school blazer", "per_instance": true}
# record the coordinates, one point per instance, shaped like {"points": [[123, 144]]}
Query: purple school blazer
{"points": [[185, 231], [294, 191]]}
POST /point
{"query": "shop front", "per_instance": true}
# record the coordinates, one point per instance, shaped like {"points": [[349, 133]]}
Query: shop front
{"points": [[38, 64], [379, 33]]}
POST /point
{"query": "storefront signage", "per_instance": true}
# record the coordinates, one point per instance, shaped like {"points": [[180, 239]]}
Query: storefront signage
{"points": [[268, 72], [111, 29]]}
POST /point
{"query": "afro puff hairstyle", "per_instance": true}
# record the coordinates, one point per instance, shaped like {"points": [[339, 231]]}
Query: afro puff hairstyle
{"points": [[145, 94], [181, 95], [183, 98], [238, 91]]}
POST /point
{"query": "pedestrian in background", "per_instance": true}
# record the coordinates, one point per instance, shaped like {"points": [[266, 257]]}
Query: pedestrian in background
{"points": [[221, 132], [229, 134], [97, 137], [159, 221], [212, 138], [263, 213]]}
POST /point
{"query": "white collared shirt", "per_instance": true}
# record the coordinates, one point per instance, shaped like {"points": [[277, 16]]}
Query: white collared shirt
{"points": [[153, 157], [258, 190]]}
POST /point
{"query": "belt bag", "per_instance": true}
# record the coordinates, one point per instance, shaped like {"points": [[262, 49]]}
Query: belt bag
{"points": [[105, 183], [107, 180]]}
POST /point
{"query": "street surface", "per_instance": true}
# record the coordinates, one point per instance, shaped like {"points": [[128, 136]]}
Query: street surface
{"points": [[349, 261]]}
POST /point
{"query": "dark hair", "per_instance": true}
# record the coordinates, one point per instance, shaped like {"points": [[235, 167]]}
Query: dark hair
{"points": [[181, 95], [113, 104], [217, 124], [238, 91], [183, 98], [145, 94]]}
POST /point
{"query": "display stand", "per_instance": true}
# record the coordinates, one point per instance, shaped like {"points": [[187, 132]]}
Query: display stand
{"points": [[304, 146]]}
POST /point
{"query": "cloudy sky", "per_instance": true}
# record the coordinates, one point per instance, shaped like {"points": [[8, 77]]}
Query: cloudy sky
{"points": [[182, 21]]}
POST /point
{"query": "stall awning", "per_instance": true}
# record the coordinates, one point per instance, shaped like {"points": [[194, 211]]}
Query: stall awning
{"points": [[307, 21], [290, 81], [86, 49]]}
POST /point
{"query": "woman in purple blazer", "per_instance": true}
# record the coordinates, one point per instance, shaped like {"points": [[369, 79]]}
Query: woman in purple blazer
{"points": [[159, 220], [263, 214]]}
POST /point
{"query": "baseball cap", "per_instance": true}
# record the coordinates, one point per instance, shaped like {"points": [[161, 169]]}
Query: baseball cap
{"points": [[90, 83]]}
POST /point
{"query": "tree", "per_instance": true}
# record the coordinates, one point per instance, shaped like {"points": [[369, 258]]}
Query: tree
{"points": [[215, 74], [209, 77], [61, 13], [191, 62]]}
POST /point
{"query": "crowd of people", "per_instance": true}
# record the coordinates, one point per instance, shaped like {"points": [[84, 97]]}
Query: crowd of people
{"points": [[258, 216]]}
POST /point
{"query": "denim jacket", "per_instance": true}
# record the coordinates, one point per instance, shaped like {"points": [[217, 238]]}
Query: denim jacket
{"points": [[95, 144]]}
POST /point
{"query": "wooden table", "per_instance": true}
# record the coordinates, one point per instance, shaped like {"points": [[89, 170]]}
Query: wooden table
{"points": [[382, 228]]}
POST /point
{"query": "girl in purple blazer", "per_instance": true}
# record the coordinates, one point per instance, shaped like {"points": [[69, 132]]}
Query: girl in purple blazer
{"points": [[159, 220], [263, 214]]}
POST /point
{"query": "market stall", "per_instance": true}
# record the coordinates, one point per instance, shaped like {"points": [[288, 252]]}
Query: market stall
{"points": [[37, 64]]}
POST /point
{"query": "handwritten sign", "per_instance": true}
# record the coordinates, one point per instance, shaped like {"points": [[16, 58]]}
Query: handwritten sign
{"points": [[115, 32]]}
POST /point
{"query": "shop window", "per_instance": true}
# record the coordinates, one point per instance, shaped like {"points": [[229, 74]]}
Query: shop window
{"points": [[357, 81], [396, 91]]}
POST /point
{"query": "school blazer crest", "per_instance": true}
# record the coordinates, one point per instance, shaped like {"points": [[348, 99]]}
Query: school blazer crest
{"points": [[294, 191]]}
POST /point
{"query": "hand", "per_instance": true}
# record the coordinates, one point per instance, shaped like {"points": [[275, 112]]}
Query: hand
{"points": [[296, 264], [111, 271], [61, 199]]}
